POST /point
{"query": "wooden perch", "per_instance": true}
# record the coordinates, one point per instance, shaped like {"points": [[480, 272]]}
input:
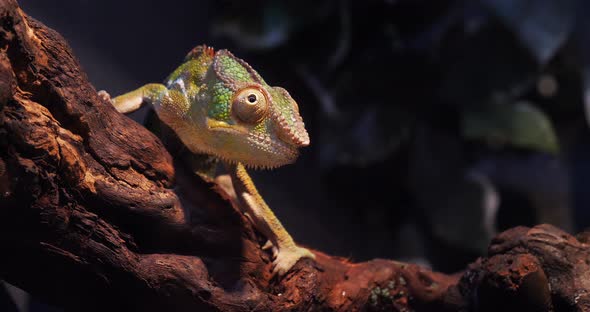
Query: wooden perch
{"points": [[94, 217]]}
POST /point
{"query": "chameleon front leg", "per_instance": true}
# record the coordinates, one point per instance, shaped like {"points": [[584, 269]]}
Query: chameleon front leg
{"points": [[287, 252], [169, 104], [132, 101]]}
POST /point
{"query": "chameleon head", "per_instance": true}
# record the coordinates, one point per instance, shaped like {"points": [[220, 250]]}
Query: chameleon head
{"points": [[249, 121]]}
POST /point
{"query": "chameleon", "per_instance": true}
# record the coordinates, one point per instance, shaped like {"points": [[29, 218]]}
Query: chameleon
{"points": [[219, 106]]}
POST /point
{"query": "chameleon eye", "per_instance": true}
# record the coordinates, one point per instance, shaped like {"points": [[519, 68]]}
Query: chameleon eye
{"points": [[252, 98], [250, 105]]}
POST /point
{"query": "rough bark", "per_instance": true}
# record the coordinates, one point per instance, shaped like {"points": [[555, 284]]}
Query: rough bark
{"points": [[94, 215]]}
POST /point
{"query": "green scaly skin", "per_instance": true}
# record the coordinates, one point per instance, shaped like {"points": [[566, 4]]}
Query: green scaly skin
{"points": [[218, 105]]}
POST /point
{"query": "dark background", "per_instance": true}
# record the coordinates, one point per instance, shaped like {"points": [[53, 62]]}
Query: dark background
{"points": [[434, 123]]}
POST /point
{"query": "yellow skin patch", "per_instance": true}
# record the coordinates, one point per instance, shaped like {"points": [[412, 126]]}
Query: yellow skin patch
{"points": [[218, 105]]}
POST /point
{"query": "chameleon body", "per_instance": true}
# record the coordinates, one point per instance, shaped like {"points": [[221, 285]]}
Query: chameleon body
{"points": [[220, 106]]}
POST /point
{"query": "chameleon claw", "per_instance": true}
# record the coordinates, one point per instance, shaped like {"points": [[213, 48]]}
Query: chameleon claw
{"points": [[267, 245], [286, 259], [105, 96]]}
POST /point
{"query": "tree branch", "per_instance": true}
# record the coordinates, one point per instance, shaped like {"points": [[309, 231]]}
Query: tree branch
{"points": [[95, 216]]}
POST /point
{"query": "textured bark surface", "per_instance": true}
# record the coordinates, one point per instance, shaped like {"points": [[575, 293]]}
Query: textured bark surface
{"points": [[95, 215]]}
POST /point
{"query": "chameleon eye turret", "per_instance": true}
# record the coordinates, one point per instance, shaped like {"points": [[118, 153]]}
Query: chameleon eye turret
{"points": [[250, 105]]}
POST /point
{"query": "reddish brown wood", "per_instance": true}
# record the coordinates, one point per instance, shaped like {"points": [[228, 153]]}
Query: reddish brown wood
{"points": [[94, 216]]}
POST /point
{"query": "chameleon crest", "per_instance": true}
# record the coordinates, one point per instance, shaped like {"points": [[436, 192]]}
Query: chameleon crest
{"points": [[232, 112]]}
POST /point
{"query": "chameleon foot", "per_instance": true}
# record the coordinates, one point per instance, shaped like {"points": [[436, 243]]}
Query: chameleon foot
{"points": [[287, 257], [269, 246]]}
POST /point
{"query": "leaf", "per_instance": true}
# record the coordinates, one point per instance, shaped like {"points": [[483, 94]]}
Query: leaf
{"points": [[520, 125]]}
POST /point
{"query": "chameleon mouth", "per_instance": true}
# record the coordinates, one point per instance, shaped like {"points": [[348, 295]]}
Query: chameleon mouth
{"points": [[260, 151], [275, 152]]}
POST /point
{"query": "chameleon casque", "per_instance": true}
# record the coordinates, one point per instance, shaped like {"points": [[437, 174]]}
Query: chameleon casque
{"points": [[219, 105]]}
